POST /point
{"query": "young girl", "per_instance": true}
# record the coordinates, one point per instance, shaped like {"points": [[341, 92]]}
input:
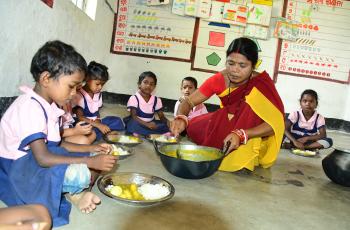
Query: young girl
{"points": [[81, 133], [143, 106], [89, 100], [306, 128], [188, 86], [35, 165]]}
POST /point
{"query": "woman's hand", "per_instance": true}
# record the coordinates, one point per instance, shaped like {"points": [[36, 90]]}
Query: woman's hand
{"points": [[83, 128], [102, 162], [102, 148], [177, 126], [235, 142]]}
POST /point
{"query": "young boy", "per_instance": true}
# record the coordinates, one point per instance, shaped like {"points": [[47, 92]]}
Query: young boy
{"points": [[80, 133], [188, 86], [36, 166]]}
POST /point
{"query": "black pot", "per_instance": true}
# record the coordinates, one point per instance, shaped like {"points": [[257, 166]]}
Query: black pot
{"points": [[337, 166], [189, 163]]}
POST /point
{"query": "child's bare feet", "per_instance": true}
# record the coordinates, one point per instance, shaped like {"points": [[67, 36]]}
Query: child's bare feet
{"points": [[86, 201]]}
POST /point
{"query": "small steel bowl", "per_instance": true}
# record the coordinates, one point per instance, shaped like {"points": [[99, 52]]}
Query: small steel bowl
{"points": [[121, 139], [137, 178], [122, 157]]}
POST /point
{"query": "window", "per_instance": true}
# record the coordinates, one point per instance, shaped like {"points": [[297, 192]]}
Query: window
{"points": [[88, 6]]}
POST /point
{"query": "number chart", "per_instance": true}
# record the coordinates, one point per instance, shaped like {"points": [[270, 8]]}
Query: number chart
{"points": [[322, 49], [155, 32]]}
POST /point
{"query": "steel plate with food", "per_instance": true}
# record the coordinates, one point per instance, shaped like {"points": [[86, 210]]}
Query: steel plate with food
{"points": [[304, 153], [136, 188], [190, 161], [162, 139], [121, 139], [121, 151]]}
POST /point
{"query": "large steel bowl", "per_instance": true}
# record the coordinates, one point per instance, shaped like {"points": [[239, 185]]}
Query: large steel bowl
{"points": [[337, 166], [138, 179], [190, 161]]}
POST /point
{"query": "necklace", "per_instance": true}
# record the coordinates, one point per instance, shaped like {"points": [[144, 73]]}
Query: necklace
{"points": [[231, 115]]}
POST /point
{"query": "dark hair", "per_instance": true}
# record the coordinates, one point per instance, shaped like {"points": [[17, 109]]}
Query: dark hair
{"points": [[97, 71], [56, 58], [246, 47], [191, 79], [147, 74], [310, 92]]}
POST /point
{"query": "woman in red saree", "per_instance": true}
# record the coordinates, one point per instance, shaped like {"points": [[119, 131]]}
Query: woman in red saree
{"points": [[251, 117]]}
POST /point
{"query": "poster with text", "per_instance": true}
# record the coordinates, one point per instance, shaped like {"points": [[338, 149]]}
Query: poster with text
{"points": [[213, 41], [151, 31], [321, 50]]}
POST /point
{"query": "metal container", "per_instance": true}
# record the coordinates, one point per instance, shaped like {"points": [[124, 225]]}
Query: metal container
{"points": [[157, 143], [162, 139], [121, 139], [123, 148], [337, 166], [138, 179], [190, 161]]}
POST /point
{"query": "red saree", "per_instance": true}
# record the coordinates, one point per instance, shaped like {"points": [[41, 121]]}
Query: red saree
{"points": [[251, 104]]}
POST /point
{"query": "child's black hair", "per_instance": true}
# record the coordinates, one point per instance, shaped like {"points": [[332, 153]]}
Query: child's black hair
{"points": [[147, 74], [246, 47], [97, 71], [311, 93], [57, 58], [191, 79]]}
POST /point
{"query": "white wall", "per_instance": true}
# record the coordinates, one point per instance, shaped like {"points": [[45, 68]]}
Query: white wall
{"points": [[27, 24], [333, 97], [346, 106]]}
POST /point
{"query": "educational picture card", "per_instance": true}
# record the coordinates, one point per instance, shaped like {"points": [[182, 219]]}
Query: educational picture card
{"points": [[235, 14]]}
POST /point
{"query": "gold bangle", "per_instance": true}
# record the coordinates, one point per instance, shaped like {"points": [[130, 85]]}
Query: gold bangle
{"points": [[182, 117]]}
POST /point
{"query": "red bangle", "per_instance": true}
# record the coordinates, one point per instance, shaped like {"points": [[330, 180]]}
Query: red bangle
{"points": [[182, 117], [243, 137]]}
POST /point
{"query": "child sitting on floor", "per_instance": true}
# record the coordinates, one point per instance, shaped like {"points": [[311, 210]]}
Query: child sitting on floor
{"points": [[188, 86], [143, 107], [306, 128], [89, 100], [80, 133], [36, 167]]}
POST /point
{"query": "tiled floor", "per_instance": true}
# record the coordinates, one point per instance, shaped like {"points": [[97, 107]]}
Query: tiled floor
{"points": [[294, 194]]}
